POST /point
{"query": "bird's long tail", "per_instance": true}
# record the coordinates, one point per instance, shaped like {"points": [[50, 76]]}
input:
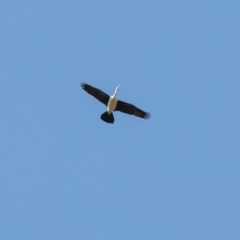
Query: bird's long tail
{"points": [[106, 117]]}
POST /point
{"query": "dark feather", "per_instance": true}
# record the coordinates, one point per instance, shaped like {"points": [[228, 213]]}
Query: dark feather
{"points": [[131, 109], [95, 92]]}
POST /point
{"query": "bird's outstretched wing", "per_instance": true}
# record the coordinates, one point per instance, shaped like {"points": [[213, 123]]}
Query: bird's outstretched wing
{"points": [[131, 109], [95, 92]]}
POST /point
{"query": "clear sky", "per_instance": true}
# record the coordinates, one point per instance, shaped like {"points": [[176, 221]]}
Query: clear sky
{"points": [[65, 174]]}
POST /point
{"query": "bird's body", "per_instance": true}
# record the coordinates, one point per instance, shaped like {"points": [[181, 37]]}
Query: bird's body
{"points": [[113, 104]]}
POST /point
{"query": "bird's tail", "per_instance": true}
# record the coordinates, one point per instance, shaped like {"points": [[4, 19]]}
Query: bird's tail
{"points": [[106, 117]]}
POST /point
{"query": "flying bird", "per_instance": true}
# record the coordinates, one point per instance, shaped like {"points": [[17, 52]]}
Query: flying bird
{"points": [[113, 104]]}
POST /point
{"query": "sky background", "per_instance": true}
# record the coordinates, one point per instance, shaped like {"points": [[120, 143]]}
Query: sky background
{"points": [[65, 174]]}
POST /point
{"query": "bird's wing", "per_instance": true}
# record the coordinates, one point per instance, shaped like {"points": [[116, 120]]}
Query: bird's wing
{"points": [[95, 92], [131, 109]]}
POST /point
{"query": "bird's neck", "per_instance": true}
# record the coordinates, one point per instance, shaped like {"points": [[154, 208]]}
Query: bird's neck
{"points": [[115, 93]]}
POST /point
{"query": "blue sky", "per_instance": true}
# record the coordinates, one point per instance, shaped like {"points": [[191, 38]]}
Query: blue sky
{"points": [[65, 174]]}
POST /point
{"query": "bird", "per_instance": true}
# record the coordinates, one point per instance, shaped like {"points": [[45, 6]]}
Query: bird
{"points": [[113, 104]]}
